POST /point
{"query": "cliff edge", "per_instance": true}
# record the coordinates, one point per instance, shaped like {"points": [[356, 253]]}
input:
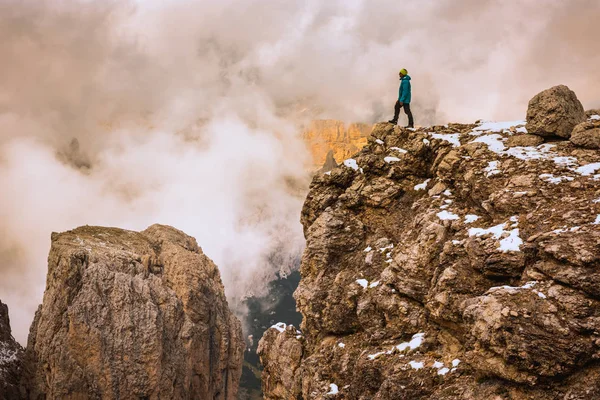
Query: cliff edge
{"points": [[449, 262]]}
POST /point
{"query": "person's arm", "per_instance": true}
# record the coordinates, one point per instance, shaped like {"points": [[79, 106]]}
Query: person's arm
{"points": [[400, 93]]}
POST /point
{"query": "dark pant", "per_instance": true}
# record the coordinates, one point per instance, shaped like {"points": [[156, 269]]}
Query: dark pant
{"points": [[406, 110]]}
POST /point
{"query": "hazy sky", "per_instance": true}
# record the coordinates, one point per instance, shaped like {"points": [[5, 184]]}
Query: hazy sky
{"points": [[187, 113]]}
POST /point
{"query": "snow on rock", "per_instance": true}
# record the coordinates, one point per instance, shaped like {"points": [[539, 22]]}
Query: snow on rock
{"points": [[455, 362], [491, 126], [363, 282], [378, 141], [595, 118], [280, 326], [511, 243], [452, 138], [342, 345], [422, 186], [443, 371], [588, 169], [446, 215], [351, 163], [470, 218], [437, 365], [368, 249], [374, 284], [399, 150], [550, 178], [494, 142], [415, 342], [597, 221], [427, 142], [492, 168], [391, 159], [415, 365], [333, 389]]}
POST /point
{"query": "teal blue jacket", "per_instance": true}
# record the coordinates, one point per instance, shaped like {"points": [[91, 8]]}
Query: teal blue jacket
{"points": [[404, 91]]}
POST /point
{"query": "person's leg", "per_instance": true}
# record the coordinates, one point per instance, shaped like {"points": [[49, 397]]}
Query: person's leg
{"points": [[396, 113], [411, 123]]}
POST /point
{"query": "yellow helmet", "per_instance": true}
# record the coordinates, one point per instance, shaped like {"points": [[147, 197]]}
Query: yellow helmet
{"points": [[403, 71]]}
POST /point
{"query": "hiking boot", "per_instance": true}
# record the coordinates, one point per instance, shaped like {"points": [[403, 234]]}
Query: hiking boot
{"points": [[391, 121]]}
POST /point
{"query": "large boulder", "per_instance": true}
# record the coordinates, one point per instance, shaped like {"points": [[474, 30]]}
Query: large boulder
{"points": [[587, 134], [132, 315], [554, 112], [11, 354]]}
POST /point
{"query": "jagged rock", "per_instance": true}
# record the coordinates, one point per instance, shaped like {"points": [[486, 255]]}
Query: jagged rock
{"points": [[587, 134], [447, 262], [524, 140], [11, 354], [330, 162], [592, 112], [554, 112], [283, 349], [132, 315], [325, 135]]}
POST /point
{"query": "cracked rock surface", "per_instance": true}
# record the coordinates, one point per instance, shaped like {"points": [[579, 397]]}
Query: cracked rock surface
{"points": [[448, 262]]}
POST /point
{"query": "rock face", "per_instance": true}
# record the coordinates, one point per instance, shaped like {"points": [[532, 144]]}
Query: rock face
{"points": [[554, 112], [444, 263], [322, 136], [132, 315], [11, 354], [587, 134]]}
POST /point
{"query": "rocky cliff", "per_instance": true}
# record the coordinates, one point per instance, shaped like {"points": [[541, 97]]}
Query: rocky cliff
{"points": [[325, 135], [11, 354], [450, 262], [132, 315]]}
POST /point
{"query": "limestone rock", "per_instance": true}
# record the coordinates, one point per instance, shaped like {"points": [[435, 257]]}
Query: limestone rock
{"points": [[592, 112], [11, 354], [330, 162], [524, 140], [323, 136], [587, 134], [447, 264], [132, 315], [554, 112]]}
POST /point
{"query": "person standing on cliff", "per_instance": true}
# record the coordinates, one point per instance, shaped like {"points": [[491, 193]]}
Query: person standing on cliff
{"points": [[403, 99]]}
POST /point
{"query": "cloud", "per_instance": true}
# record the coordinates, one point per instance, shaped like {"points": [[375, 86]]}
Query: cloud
{"points": [[187, 113]]}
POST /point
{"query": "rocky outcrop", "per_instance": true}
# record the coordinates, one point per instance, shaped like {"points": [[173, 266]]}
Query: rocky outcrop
{"points": [[325, 135], [132, 315], [587, 134], [554, 112], [450, 262], [11, 354], [329, 164]]}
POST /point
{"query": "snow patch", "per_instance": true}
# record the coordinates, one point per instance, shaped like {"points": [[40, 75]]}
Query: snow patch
{"points": [[437, 365], [391, 159], [550, 178], [415, 342], [415, 365], [351, 163], [422, 186], [470, 218], [595, 118], [492, 168], [363, 282], [588, 169], [280, 326], [452, 138], [455, 362], [493, 141], [368, 249], [399, 150], [374, 284], [443, 371], [378, 141], [333, 389], [511, 243], [492, 126], [446, 215], [342, 345]]}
